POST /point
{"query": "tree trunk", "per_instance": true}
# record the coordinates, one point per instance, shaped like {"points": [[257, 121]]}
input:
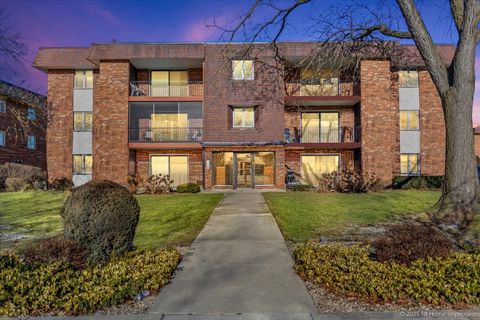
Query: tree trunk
{"points": [[459, 202]]}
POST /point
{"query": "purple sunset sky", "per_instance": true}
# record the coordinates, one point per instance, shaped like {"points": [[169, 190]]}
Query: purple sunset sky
{"points": [[51, 23]]}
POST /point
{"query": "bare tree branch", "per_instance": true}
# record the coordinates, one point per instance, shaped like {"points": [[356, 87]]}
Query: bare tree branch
{"points": [[383, 29], [425, 45], [457, 9]]}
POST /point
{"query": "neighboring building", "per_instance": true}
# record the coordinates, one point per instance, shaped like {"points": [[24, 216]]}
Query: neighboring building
{"points": [[204, 114], [22, 126]]}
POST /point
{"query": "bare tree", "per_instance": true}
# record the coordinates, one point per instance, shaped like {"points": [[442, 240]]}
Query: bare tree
{"points": [[353, 24]]}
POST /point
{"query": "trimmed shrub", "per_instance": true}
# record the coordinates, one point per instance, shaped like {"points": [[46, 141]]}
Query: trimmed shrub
{"points": [[349, 181], [418, 182], [56, 249], [303, 187], [405, 243], [29, 174], [101, 216], [61, 184], [56, 288], [15, 184], [349, 270], [188, 188]]}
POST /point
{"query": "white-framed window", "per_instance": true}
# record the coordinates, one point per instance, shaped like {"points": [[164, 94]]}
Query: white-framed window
{"points": [[2, 138], [242, 70], [31, 114], [408, 78], [82, 164], [31, 142], [409, 164], [409, 120], [3, 106], [82, 121], [243, 117], [83, 79]]}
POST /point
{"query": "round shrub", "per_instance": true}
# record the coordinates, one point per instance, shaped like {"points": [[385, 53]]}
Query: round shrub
{"points": [[188, 188], [101, 216], [405, 243]]}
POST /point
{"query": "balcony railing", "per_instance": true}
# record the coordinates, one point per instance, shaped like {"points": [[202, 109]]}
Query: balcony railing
{"points": [[315, 135], [143, 135], [320, 87], [184, 89]]}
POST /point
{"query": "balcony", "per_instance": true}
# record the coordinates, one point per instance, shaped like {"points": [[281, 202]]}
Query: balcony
{"points": [[170, 134], [183, 89], [337, 136], [324, 91]]}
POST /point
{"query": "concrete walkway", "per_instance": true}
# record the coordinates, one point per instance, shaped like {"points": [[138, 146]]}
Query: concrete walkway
{"points": [[239, 263]]}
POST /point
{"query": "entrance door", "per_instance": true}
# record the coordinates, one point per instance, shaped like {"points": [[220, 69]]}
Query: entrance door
{"points": [[243, 170]]}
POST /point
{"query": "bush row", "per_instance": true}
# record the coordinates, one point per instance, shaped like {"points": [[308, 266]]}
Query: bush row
{"points": [[19, 177], [418, 182], [29, 289], [158, 184], [350, 270]]}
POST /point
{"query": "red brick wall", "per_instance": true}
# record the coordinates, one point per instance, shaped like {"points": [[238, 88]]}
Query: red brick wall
{"points": [[265, 91], [194, 162], [110, 122], [60, 124], [432, 128], [378, 119], [279, 161], [15, 149]]}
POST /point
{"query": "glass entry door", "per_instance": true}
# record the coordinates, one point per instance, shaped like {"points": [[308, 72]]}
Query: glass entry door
{"points": [[244, 170]]}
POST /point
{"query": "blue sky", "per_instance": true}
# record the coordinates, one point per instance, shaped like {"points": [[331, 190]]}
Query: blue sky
{"points": [[47, 23]]}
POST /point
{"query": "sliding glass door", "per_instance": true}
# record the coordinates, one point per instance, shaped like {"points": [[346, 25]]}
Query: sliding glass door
{"points": [[169, 83], [314, 166], [174, 166], [318, 127]]}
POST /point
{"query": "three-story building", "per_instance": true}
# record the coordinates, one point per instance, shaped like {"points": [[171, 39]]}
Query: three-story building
{"points": [[233, 116]]}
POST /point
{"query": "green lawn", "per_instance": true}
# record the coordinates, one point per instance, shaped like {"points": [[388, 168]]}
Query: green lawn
{"points": [[308, 215], [164, 219]]}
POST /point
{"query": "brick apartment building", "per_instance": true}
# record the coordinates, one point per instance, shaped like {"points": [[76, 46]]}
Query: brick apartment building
{"points": [[22, 126], [201, 113]]}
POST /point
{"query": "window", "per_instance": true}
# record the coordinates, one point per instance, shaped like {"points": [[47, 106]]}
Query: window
{"points": [[409, 164], [243, 117], [174, 166], [31, 142], [242, 70], [320, 127], [169, 83], [408, 79], [3, 106], [82, 164], [2, 138], [84, 79], [314, 166], [31, 114], [82, 121], [409, 120]]}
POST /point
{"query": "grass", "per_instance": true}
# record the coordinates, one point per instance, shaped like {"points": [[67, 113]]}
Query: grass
{"points": [[173, 219], [307, 215], [164, 219]]}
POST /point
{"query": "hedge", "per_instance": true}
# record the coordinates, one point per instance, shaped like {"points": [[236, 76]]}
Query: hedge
{"points": [[57, 288], [350, 270], [418, 182]]}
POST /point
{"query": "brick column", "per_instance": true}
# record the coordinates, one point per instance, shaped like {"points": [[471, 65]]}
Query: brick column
{"points": [[432, 128], [60, 124], [110, 122], [378, 119]]}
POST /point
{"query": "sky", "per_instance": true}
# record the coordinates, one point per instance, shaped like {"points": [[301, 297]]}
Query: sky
{"points": [[78, 23]]}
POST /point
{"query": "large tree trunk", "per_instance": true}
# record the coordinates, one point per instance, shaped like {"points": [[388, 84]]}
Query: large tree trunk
{"points": [[459, 202]]}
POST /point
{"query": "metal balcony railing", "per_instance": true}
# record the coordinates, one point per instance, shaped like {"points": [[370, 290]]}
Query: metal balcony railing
{"points": [[149, 89], [317, 135], [319, 87], [165, 134]]}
